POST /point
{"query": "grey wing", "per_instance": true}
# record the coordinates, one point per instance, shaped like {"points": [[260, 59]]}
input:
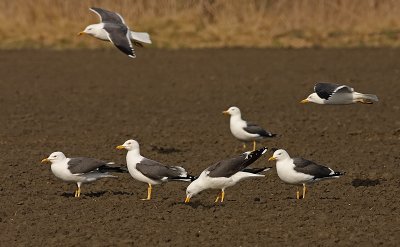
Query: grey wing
{"points": [[108, 16], [119, 36], [228, 167], [155, 170], [344, 89], [255, 129], [325, 89], [311, 168], [82, 165]]}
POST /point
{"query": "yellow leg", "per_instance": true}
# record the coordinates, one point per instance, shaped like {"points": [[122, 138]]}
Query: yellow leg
{"points": [[304, 190], [218, 196], [254, 145], [222, 196], [148, 193], [298, 194], [76, 193], [364, 101], [79, 192]]}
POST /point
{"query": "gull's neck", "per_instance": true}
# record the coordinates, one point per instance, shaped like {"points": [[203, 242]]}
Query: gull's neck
{"points": [[236, 118], [134, 153], [318, 100], [133, 157]]}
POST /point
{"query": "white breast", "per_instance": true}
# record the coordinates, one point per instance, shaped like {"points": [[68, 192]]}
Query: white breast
{"points": [[131, 161], [101, 34], [60, 170], [286, 172], [236, 126]]}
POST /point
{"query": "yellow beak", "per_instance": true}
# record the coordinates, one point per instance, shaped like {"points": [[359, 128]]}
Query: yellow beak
{"points": [[81, 33], [187, 200], [225, 113], [304, 101], [45, 160], [271, 158], [120, 147]]}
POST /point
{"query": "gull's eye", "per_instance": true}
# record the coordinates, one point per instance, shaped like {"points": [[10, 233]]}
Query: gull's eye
{"points": [[280, 154]]}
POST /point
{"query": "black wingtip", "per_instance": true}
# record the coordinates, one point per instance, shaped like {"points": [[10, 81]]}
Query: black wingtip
{"points": [[188, 178], [256, 170], [118, 169]]}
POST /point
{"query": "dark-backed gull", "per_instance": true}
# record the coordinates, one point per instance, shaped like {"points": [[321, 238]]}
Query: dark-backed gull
{"points": [[150, 171], [300, 171], [335, 94], [114, 29], [80, 170], [243, 130], [226, 173]]}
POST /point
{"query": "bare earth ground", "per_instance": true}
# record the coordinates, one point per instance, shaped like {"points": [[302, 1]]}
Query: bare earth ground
{"points": [[84, 103]]}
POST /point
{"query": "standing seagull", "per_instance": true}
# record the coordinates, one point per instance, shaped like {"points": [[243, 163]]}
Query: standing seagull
{"points": [[79, 170], [245, 131], [226, 173], [113, 28], [335, 94], [150, 171], [300, 171]]}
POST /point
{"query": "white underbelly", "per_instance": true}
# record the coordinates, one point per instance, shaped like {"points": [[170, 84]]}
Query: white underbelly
{"points": [[140, 177], [218, 183], [242, 135], [290, 176], [341, 98], [65, 175]]}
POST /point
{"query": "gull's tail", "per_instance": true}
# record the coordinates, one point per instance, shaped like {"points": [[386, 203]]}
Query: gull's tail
{"points": [[180, 174], [187, 178], [106, 168], [365, 98], [256, 170], [141, 37]]}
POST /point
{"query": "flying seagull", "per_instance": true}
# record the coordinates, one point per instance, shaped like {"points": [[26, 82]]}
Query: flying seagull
{"points": [[335, 94], [243, 130], [112, 28], [226, 173], [150, 171], [300, 171], [80, 170]]}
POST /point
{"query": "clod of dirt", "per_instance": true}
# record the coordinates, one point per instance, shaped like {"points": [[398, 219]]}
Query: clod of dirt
{"points": [[167, 150], [365, 182]]}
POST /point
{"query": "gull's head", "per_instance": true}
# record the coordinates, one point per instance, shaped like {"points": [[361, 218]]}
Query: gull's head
{"points": [[279, 154], [54, 157], [232, 111], [129, 145], [92, 29], [193, 189], [314, 98]]}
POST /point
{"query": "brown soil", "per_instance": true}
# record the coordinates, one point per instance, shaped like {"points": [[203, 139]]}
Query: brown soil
{"points": [[84, 103]]}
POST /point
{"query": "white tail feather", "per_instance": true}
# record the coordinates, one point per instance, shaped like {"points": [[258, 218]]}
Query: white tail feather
{"points": [[368, 98], [141, 37]]}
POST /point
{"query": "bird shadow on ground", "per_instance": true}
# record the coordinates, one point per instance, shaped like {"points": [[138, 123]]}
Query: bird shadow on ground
{"points": [[96, 194], [165, 150], [365, 182], [199, 205]]}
